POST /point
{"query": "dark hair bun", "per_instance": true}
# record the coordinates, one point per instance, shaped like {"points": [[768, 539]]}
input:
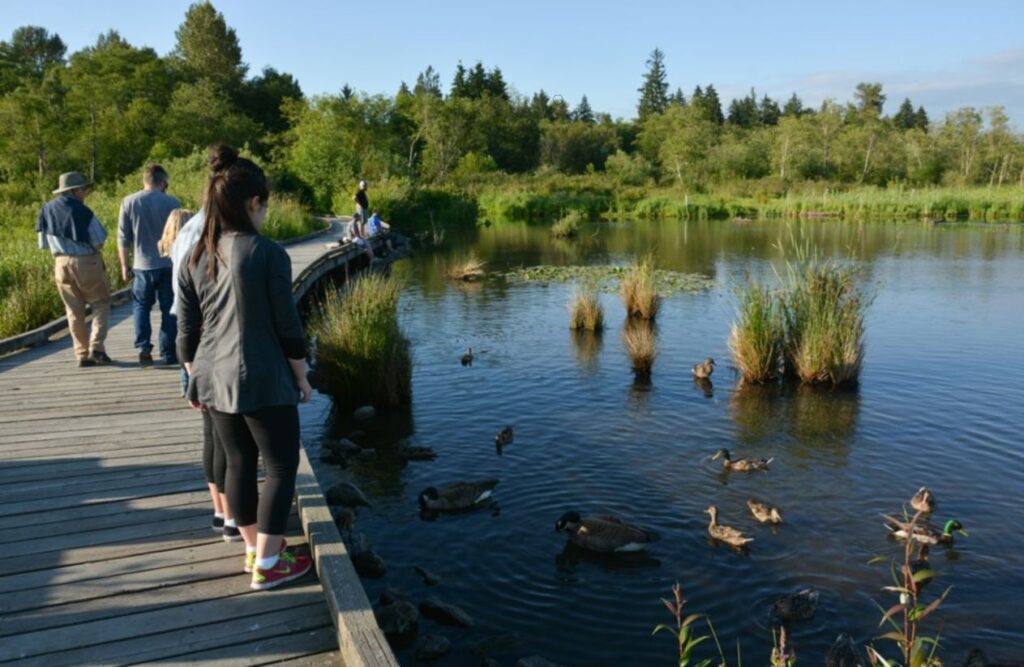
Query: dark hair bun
{"points": [[221, 157]]}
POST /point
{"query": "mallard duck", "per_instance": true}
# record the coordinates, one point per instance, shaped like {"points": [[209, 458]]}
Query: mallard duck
{"points": [[467, 358], [843, 653], [704, 369], [457, 495], [922, 533], [741, 465], [504, 437], [796, 607], [726, 534], [763, 512], [923, 500], [604, 534]]}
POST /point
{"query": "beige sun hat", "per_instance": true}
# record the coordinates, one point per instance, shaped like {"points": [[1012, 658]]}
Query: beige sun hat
{"points": [[70, 181]]}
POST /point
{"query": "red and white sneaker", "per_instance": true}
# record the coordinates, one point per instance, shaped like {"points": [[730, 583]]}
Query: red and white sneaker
{"points": [[250, 557], [289, 567]]}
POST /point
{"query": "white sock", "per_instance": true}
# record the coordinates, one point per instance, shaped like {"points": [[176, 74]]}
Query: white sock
{"points": [[249, 550], [266, 563], [230, 523], [218, 515]]}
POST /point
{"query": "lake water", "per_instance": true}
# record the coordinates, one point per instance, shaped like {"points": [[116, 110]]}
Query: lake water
{"points": [[940, 403]]}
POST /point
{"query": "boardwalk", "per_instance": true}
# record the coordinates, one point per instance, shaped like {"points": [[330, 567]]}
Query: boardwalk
{"points": [[109, 557]]}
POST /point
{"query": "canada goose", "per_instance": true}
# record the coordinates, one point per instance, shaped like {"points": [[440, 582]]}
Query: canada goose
{"points": [[467, 358], [704, 369], [796, 607], [741, 465], [604, 534], [924, 500], [763, 512], [457, 495], [726, 534], [843, 653]]}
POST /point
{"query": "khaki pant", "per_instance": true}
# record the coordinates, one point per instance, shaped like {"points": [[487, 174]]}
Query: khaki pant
{"points": [[80, 281]]}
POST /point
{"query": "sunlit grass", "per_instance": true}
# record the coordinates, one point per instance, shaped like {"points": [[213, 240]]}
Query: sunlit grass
{"points": [[467, 268], [757, 335], [568, 225], [639, 290], [362, 356], [585, 310], [641, 345]]}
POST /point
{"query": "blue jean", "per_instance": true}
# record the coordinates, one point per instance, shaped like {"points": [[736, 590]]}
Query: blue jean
{"points": [[149, 287]]}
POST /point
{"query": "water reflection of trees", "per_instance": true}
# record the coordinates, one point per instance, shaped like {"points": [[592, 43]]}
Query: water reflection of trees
{"points": [[817, 419]]}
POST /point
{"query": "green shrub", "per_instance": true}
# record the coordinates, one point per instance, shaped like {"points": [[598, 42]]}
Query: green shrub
{"points": [[568, 225], [756, 339]]}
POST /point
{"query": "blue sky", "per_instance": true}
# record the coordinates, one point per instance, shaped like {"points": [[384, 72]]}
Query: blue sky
{"points": [[942, 54]]}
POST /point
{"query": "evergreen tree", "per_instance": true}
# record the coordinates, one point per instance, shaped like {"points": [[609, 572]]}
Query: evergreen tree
{"points": [[459, 88], [583, 112], [208, 49], [921, 119], [677, 98], [769, 111], [905, 118], [540, 105], [697, 99], [743, 112], [495, 84], [559, 108], [31, 51], [654, 91], [428, 82], [347, 92], [476, 82], [712, 105], [794, 107]]}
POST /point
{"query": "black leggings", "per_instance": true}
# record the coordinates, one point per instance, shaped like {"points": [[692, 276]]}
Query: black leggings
{"points": [[272, 433], [214, 462]]}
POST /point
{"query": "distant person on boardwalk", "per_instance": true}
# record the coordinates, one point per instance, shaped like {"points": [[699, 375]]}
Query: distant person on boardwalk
{"points": [[140, 225], [377, 227], [70, 231], [362, 202], [214, 460], [241, 340], [355, 232]]}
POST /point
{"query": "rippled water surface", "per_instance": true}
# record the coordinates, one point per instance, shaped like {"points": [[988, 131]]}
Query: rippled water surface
{"points": [[941, 403]]}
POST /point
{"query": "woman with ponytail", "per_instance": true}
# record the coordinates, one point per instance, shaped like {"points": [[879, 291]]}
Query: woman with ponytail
{"points": [[241, 340]]}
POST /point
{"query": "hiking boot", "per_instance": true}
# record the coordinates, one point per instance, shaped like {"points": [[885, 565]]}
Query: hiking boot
{"points": [[145, 359], [217, 525], [289, 567], [250, 557], [101, 358], [231, 533], [86, 362]]}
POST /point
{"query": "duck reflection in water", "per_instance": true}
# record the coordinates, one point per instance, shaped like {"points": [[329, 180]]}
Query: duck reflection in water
{"points": [[704, 386]]}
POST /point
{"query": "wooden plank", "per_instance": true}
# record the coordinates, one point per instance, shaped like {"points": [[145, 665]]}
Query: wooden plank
{"points": [[35, 532], [77, 467], [185, 480], [107, 477], [262, 651], [84, 513], [326, 659], [164, 610], [194, 639]]}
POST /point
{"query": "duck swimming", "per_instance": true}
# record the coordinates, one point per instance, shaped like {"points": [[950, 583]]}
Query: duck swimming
{"points": [[504, 437], [923, 500], [704, 369], [796, 607], [467, 358], [741, 465], [726, 534], [763, 512], [924, 534]]}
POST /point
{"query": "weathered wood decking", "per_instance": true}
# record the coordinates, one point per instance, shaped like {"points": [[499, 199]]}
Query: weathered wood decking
{"points": [[109, 557]]}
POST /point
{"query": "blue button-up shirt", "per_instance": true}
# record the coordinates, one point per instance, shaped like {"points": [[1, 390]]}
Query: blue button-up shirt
{"points": [[58, 245]]}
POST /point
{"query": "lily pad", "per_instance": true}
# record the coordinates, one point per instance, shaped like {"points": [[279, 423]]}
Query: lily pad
{"points": [[607, 277]]}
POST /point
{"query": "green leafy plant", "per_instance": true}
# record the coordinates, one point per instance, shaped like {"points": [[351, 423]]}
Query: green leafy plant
{"points": [[684, 631]]}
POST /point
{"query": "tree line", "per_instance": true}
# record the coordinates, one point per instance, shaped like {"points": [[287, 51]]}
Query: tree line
{"points": [[110, 107]]}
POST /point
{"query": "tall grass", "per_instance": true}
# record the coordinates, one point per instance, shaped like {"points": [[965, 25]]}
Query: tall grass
{"points": [[362, 356], [468, 268], [823, 309], [757, 337], [641, 345], [585, 310], [639, 290], [288, 219], [568, 225]]}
